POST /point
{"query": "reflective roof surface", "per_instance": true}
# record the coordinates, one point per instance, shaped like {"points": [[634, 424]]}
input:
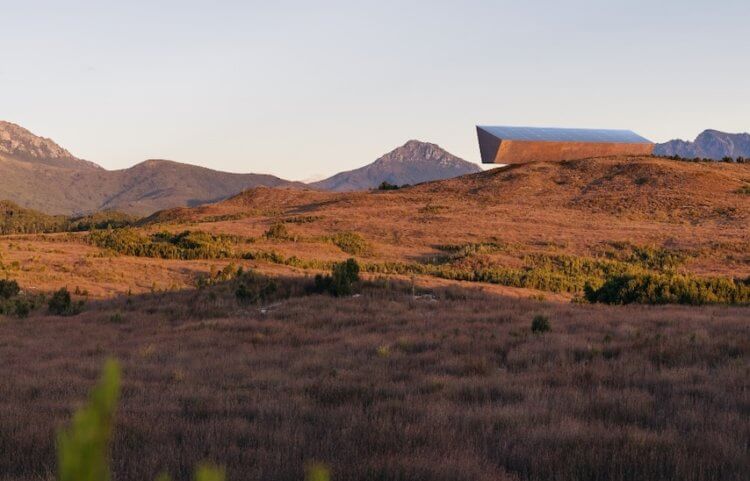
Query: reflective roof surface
{"points": [[565, 135]]}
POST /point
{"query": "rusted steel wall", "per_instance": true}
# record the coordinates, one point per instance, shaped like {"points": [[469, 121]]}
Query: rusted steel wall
{"points": [[520, 151]]}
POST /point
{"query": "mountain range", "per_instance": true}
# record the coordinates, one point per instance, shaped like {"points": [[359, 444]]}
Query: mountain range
{"points": [[37, 173], [710, 144]]}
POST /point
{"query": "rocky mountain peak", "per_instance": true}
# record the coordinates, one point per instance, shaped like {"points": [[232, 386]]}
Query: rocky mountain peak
{"points": [[18, 143], [412, 163]]}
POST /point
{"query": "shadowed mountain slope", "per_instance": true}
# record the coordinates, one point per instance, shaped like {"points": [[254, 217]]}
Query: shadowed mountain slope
{"points": [[412, 163]]}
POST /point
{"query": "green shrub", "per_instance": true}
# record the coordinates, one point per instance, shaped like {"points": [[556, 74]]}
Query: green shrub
{"points": [[253, 288], [341, 281], [540, 324], [61, 304], [352, 243], [744, 190], [22, 307], [8, 288]]}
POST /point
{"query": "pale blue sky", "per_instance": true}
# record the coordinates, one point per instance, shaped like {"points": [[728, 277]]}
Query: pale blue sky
{"points": [[299, 88]]}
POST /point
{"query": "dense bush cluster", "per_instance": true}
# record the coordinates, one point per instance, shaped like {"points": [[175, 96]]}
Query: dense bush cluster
{"points": [[253, 288], [107, 219], [165, 245], [15, 302], [62, 304], [670, 289], [341, 280], [17, 220], [8, 288]]}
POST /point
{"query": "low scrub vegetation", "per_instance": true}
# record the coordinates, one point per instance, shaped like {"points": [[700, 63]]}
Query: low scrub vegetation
{"points": [[278, 231], [165, 245], [670, 289], [556, 273], [352, 243]]}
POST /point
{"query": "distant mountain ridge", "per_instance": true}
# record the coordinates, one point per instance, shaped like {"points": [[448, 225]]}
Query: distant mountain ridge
{"points": [[710, 144], [37, 173], [413, 163]]}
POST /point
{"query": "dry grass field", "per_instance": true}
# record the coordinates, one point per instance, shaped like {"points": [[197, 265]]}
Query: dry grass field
{"points": [[388, 386], [433, 371]]}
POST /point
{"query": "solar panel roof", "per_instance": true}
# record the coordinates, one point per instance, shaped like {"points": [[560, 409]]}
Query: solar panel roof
{"points": [[565, 135]]}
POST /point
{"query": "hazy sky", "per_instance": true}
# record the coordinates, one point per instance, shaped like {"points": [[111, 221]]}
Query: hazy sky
{"points": [[299, 88]]}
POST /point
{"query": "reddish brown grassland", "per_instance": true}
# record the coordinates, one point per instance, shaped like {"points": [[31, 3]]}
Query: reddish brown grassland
{"points": [[420, 377], [386, 386]]}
